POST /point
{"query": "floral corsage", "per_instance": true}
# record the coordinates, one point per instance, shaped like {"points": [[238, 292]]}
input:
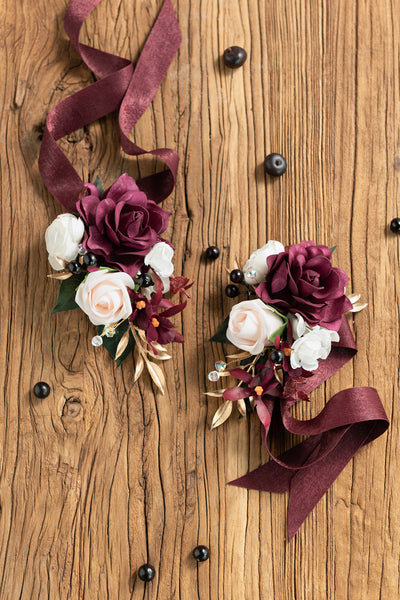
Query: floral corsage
{"points": [[114, 266]]}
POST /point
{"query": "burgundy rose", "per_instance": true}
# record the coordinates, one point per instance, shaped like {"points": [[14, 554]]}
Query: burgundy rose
{"points": [[302, 280], [122, 226]]}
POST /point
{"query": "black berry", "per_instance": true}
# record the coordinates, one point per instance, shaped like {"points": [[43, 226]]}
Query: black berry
{"points": [[275, 164], [41, 389], [395, 225], [146, 572], [234, 57], [236, 276], [232, 290], [277, 357], [145, 280], [212, 253], [201, 553], [90, 259], [74, 266]]}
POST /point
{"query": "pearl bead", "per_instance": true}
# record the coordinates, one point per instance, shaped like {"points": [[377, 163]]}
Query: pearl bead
{"points": [[275, 164], [201, 553], [41, 389], [234, 57], [146, 572], [212, 253]]}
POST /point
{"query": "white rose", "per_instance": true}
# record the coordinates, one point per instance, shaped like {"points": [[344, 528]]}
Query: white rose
{"points": [[251, 323], [63, 237], [258, 261], [311, 347], [160, 259], [104, 297]]}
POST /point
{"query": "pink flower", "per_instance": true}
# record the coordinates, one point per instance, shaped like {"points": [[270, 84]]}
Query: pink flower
{"points": [[122, 226], [251, 324], [302, 280]]}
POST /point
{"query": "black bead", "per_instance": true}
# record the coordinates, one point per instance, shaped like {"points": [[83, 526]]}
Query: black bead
{"points": [[212, 253], [201, 553], [90, 259], [275, 164], [395, 225], [232, 290], [145, 280], [146, 572], [234, 57], [74, 266], [41, 389], [277, 357], [236, 276]]}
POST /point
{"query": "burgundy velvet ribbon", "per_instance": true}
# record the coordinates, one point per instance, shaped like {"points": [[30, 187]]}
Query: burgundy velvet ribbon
{"points": [[350, 419], [121, 86]]}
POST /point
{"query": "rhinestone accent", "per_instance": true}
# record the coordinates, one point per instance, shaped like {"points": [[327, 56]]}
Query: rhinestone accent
{"points": [[81, 250], [97, 341], [251, 274], [220, 365], [213, 376], [109, 331]]}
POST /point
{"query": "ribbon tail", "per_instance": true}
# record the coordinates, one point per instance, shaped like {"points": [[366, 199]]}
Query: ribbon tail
{"points": [[308, 486]]}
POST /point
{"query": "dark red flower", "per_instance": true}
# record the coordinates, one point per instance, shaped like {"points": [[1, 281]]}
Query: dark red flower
{"points": [[155, 322], [122, 226], [302, 280]]}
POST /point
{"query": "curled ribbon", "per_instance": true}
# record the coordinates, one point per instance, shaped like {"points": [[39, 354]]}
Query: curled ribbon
{"points": [[121, 86], [351, 419]]}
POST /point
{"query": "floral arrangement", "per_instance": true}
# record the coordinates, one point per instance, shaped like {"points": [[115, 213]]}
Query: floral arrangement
{"points": [[113, 265], [286, 330], [292, 335]]}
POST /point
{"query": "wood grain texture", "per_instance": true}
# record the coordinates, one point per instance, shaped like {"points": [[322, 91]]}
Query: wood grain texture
{"points": [[103, 475]]}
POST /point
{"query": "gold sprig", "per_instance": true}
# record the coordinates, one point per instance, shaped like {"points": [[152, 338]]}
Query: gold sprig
{"points": [[141, 355]]}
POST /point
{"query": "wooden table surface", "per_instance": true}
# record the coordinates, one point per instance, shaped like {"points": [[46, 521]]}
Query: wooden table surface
{"points": [[104, 475]]}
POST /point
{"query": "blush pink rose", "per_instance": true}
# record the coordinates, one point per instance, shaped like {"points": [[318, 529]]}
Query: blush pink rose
{"points": [[104, 297], [251, 324]]}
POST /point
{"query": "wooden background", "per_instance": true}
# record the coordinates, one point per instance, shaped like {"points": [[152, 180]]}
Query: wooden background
{"points": [[103, 475]]}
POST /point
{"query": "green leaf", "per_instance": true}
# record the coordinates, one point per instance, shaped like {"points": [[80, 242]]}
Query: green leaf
{"points": [[280, 329], [66, 293], [111, 344], [220, 336], [97, 183], [333, 248]]}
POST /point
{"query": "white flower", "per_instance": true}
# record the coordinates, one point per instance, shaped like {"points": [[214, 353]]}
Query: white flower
{"points": [[160, 259], [62, 239], [314, 345], [251, 323], [299, 326], [104, 297], [258, 261]]}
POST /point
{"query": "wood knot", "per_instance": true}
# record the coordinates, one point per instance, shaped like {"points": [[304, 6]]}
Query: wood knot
{"points": [[72, 408]]}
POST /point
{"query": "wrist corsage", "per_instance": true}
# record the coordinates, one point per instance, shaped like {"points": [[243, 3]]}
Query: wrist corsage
{"points": [[107, 250], [292, 335]]}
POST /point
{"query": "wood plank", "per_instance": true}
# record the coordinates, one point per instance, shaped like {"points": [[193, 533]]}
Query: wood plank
{"points": [[103, 475]]}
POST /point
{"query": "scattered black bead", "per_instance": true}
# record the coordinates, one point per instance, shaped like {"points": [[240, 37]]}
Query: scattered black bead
{"points": [[41, 389], [395, 225], [236, 276], [277, 357], [275, 164], [74, 266], [90, 259], [146, 572], [232, 290], [234, 57], [201, 553], [212, 253], [145, 280]]}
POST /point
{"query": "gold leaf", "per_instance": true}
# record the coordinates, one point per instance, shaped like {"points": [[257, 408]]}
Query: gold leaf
{"points": [[278, 372], [239, 355], [157, 375], [354, 298], [63, 263], [358, 306], [139, 364], [159, 356], [222, 414], [216, 394], [123, 342], [241, 404], [158, 347], [60, 276]]}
